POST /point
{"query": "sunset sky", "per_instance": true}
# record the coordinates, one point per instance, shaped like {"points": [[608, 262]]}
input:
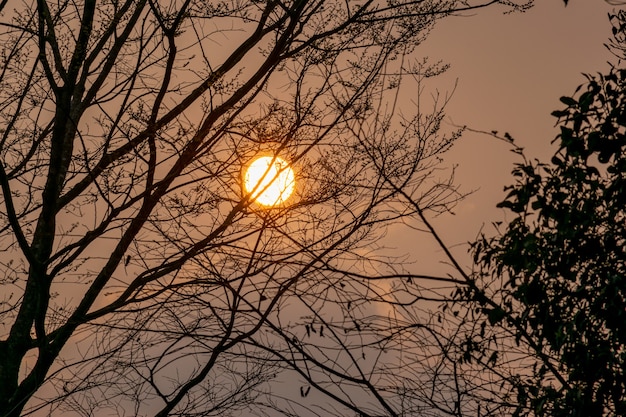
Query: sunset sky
{"points": [[171, 283], [511, 70]]}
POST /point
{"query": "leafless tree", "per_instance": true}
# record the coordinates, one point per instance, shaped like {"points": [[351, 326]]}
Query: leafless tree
{"points": [[139, 279]]}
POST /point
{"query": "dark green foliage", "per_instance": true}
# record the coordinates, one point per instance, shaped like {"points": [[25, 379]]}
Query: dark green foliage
{"points": [[563, 257]]}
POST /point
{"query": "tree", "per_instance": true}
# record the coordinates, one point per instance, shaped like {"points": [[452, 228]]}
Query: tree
{"points": [[138, 277], [554, 281]]}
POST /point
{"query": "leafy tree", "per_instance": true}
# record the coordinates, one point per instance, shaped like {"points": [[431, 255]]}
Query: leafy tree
{"points": [[555, 279], [139, 278]]}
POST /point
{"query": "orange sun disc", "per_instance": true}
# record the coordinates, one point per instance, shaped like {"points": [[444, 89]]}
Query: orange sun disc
{"points": [[270, 180]]}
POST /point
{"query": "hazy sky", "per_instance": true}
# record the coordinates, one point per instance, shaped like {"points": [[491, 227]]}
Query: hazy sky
{"points": [[511, 70]]}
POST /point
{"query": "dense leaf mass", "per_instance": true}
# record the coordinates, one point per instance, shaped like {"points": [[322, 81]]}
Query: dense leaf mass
{"points": [[563, 257]]}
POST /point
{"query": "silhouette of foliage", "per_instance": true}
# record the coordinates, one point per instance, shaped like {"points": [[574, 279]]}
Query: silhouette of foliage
{"points": [[556, 276]]}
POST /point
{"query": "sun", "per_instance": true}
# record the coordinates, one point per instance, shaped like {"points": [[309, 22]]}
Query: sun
{"points": [[270, 180]]}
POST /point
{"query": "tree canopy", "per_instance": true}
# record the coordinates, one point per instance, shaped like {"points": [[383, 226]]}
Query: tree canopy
{"points": [[555, 278]]}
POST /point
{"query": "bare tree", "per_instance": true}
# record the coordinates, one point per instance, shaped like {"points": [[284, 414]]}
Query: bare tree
{"points": [[138, 278]]}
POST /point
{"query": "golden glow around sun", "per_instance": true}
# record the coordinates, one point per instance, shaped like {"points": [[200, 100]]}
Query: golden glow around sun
{"points": [[270, 180]]}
